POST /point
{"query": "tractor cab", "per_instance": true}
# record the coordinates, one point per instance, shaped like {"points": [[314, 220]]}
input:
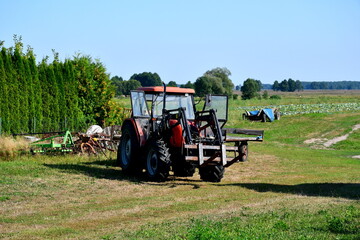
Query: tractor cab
{"points": [[175, 98]]}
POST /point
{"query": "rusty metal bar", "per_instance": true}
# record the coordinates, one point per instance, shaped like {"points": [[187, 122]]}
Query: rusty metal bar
{"points": [[210, 159], [233, 161], [204, 127]]}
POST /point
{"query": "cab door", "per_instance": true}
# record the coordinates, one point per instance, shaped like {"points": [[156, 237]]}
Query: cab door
{"points": [[138, 104], [140, 114]]}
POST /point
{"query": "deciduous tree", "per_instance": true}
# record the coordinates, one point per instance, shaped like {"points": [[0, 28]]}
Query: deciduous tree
{"points": [[222, 75], [276, 86], [172, 84], [147, 79], [250, 89]]}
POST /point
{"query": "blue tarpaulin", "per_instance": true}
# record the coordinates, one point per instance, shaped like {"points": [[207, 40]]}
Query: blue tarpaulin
{"points": [[268, 112], [254, 113]]}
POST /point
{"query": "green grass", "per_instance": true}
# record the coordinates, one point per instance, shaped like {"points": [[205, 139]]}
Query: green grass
{"points": [[287, 189], [333, 222]]}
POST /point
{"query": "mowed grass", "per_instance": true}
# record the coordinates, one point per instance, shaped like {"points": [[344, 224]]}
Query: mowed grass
{"points": [[287, 190]]}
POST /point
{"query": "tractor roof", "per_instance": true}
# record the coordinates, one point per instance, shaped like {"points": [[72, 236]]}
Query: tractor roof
{"points": [[159, 89]]}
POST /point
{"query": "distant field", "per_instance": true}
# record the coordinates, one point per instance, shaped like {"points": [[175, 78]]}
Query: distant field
{"points": [[287, 190]]}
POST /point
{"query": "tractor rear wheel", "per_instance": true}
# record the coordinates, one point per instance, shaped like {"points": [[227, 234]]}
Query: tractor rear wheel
{"points": [[212, 173], [127, 154], [158, 160]]}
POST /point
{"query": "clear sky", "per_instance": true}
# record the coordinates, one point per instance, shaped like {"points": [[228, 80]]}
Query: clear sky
{"points": [[307, 40]]}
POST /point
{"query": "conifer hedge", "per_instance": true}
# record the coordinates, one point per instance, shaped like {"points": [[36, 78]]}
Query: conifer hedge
{"points": [[52, 96]]}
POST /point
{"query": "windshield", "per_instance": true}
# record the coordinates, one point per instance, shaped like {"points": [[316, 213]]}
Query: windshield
{"points": [[218, 103], [173, 102]]}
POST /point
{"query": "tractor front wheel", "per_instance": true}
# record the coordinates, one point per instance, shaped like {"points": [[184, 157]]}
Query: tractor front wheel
{"points": [[212, 173], [158, 160], [183, 168]]}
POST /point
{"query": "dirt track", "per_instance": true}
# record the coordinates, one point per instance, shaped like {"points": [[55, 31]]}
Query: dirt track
{"points": [[325, 143]]}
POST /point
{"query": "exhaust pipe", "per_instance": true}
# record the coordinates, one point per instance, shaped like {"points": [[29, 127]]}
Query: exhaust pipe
{"points": [[164, 98]]}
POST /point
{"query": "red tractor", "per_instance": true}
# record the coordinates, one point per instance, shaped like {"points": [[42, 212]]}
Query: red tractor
{"points": [[172, 135]]}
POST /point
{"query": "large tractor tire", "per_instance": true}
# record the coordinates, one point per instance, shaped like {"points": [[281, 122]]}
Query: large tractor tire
{"points": [[212, 173], [157, 160], [182, 168], [128, 150]]}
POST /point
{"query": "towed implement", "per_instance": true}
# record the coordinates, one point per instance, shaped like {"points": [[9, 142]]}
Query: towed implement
{"points": [[61, 142], [173, 136]]}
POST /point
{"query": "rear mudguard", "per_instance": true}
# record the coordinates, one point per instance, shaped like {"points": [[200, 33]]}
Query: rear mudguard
{"points": [[138, 124]]}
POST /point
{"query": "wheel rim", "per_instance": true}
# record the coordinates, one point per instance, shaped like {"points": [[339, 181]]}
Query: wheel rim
{"points": [[126, 150], [245, 151], [152, 163]]}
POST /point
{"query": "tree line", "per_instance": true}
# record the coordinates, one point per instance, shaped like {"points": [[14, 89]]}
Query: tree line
{"points": [[291, 85], [51, 96], [215, 81], [288, 85], [348, 85]]}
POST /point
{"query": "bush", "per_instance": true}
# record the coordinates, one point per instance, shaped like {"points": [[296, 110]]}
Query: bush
{"points": [[235, 96], [250, 89], [117, 114], [275, 97], [265, 95]]}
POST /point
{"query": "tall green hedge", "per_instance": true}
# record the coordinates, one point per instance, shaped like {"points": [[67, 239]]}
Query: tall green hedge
{"points": [[51, 96]]}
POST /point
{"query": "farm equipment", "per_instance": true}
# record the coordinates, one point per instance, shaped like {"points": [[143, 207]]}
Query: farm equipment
{"points": [[97, 140], [172, 135], [49, 145], [89, 143], [264, 115]]}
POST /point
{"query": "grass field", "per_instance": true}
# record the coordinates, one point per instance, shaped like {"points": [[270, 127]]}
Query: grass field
{"points": [[287, 190]]}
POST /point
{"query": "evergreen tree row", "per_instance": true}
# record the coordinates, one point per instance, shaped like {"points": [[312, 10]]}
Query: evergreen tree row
{"points": [[51, 96]]}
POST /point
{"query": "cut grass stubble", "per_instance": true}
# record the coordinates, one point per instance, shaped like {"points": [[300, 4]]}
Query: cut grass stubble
{"points": [[285, 190]]}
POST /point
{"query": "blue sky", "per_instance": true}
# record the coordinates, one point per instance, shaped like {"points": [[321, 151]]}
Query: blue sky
{"points": [[181, 39]]}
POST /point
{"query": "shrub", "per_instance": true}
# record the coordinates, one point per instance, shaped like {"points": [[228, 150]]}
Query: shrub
{"points": [[265, 95], [275, 97]]}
